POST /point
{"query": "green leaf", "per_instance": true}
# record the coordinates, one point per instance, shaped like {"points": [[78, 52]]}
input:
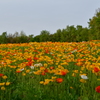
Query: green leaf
{"points": [[85, 98]]}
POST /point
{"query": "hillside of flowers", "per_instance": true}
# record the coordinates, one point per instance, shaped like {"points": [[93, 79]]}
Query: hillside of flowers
{"points": [[50, 71]]}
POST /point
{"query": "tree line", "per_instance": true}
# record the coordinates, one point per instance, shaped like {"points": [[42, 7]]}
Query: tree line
{"points": [[68, 34]]}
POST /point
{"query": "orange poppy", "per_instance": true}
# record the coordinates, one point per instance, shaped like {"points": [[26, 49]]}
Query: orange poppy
{"points": [[96, 69], [59, 80]]}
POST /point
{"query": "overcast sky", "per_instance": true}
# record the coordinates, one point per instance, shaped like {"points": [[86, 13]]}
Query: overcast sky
{"points": [[33, 16]]}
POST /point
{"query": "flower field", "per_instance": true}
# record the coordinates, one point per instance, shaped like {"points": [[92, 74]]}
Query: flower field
{"points": [[50, 71]]}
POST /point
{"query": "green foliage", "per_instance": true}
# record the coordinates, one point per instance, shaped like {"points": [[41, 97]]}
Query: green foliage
{"points": [[94, 25], [3, 37]]}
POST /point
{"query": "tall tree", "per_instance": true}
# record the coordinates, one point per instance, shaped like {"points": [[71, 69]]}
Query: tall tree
{"points": [[44, 36], [94, 24], [3, 37]]}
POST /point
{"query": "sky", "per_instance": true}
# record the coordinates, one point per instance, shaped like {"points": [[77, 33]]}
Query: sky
{"points": [[33, 16]]}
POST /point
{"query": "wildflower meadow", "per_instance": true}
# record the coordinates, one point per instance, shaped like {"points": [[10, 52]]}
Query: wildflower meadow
{"points": [[50, 71]]}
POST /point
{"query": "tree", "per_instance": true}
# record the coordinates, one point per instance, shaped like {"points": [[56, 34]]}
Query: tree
{"points": [[36, 39], [44, 36], [30, 38], [70, 33], [23, 38], [3, 37], [94, 24]]}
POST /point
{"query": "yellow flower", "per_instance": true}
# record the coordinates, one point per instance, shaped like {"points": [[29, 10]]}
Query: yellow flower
{"points": [[23, 74], [45, 65], [83, 74], [76, 71], [51, 80], [7, 83], [54, 77], [42, 68], [80, 71], [98, 79], [37, 72], [74, 75], [41, 82], [60, 67], [45, 82], [27, 71], [2, 84], [71, 87], [4, 77], [3, 88], [83, 80]]}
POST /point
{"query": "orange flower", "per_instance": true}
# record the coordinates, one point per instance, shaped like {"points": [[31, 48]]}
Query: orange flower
{"points": [[46, 51], [43, 73], [18, 71], [63, 73], [97, 89], [79, 63], [51, 67], [59, 80], [96, 69]]}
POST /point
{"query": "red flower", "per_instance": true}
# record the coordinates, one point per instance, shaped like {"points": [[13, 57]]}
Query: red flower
{"points": [[70, 53], [29, 59], [46, 70], [63, 73], [97, 89], [43, 73], [18, 71], [35, 58], [59, 80], [96, 69], [29, 63], [46, 51], [1, 74]]}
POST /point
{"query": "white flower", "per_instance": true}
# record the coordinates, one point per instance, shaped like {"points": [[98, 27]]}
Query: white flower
{"points": [[31, 72], [2, 62], [74, 51], [38, 65], [32, 67], [22, 69], [84, 77]]}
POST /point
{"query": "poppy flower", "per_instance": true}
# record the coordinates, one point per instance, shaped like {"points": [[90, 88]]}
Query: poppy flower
{"points": [[18, 71], [3, 88], [43, 73], [83, 80], [46, 51], [59, 80], [35, 58], [29, 63], [1, 74], [97, 89], [63, 73], [51, 67], [29, 59], [46, 70], [96, 69]]}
